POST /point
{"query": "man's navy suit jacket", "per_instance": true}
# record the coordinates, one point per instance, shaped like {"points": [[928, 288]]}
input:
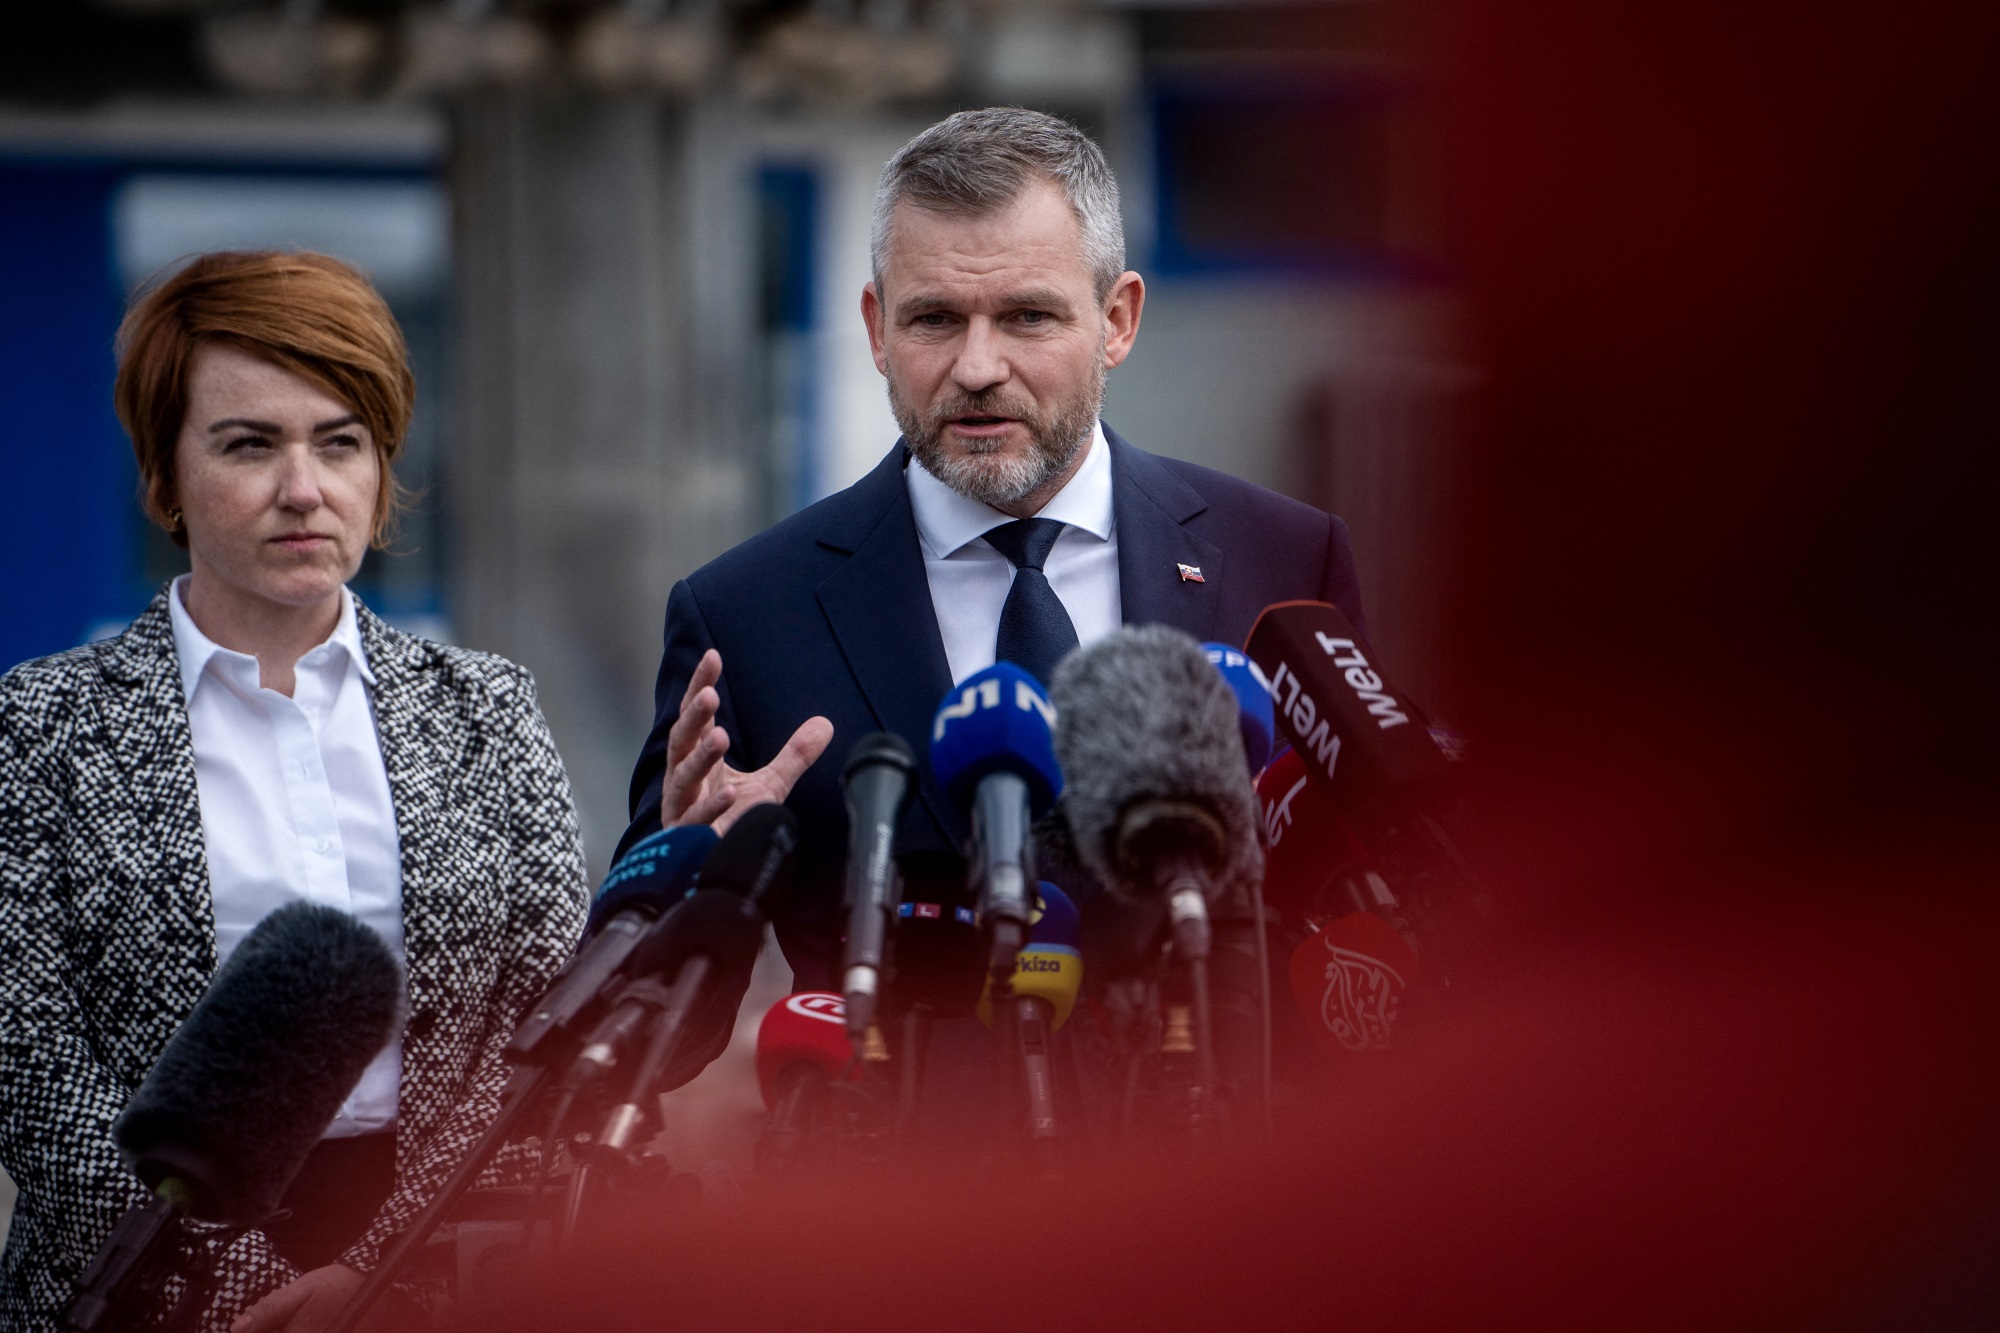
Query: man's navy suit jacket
{"points": [[829, 612]]}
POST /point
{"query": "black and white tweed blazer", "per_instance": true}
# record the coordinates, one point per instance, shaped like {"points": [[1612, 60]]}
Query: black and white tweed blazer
{"points": [[107, 931]]}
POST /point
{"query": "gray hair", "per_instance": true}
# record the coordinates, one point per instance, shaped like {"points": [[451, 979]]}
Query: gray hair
{"points": [[977, 162]]}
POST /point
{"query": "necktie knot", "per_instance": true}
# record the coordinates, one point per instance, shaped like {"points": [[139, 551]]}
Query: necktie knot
{"points": [[1026, 542]]}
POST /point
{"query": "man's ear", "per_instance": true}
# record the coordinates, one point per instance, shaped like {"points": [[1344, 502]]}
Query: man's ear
{"points": [[872, 314], [1122, 307]]}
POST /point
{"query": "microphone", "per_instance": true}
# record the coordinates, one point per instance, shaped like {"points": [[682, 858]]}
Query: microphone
{"points": [[710, 949], [878, 782], [1049, 970], [1159, 804], [1048, 973], [1349, 974], [802, 1050], [1309, 845], [1161, 811], [1254, 715], [1348, 980], [707, 946], [1365, 740], [650, 878], [242, 1093], [1378, 758], [993, 753]]}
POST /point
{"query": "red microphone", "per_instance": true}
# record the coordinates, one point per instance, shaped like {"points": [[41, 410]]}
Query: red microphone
{"points": [[1348, 981], [1349, 973], [802, 1050], [1309, 846]]}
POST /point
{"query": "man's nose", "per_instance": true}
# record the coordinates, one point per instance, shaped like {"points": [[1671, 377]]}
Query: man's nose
{"points": [[982, 360]]}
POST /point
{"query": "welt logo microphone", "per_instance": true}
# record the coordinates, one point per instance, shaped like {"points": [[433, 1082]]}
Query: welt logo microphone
{"points": [[1365, 740]]}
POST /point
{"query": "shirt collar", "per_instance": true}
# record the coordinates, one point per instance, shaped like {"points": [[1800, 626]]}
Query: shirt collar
{"points": [[195, 649], [947, 521]]}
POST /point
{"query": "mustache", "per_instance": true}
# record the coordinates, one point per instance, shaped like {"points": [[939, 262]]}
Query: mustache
{"points": [[986, 403]]}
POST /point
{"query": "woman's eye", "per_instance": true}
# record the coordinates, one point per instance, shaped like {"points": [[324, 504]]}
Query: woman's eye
{"points": [[342, 442], [242, 442]]}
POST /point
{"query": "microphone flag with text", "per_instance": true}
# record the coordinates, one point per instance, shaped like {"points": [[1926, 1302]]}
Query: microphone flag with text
{"points": [[993, 754]]}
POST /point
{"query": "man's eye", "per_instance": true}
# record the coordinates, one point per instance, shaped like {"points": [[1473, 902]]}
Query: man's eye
{"points": [[933, 320], [1033, 316]]}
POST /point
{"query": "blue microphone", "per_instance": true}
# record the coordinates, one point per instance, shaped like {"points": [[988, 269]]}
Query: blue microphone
{"points": [[993, 753], [650, 878], [1255, 714], [654, 875]]}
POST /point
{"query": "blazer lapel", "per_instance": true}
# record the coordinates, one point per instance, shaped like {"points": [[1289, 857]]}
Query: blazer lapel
{"points": [[878, 604], [1151, 506], [147, 713], [420, 763]]}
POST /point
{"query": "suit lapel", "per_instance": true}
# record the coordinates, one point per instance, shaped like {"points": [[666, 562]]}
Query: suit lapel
{"points": [[878, 604], [147, 713], [1151, 507], [409, 701]]}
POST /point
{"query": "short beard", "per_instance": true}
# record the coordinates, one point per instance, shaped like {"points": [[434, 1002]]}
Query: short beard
{"points": [[980, 472]]}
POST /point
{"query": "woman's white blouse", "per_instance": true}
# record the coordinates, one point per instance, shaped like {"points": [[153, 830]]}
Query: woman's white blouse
{"points": [[295, 805]]}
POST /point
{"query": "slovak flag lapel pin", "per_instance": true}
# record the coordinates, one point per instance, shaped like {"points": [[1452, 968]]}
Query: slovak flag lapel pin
{"points": [[1190, 573]]}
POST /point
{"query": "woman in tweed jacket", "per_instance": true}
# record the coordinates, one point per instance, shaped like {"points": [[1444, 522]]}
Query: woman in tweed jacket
{"points": [[123, 845]]}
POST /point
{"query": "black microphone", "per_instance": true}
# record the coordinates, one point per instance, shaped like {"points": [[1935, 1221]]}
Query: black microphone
{"points": [[1359, 736], [650, 878], [1363, 741], [749, 871], [878, 781], [243, 1092], [708, 948]]}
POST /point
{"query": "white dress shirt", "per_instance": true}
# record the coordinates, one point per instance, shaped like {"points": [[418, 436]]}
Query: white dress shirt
{"points": [[969, 579], [295, 805]]}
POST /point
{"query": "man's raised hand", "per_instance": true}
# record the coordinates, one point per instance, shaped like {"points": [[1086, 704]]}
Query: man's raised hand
{"points": [[699, 788]]}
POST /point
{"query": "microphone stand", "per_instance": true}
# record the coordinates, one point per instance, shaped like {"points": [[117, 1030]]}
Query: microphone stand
{"points": [[614, 1146], [522, 1087]]}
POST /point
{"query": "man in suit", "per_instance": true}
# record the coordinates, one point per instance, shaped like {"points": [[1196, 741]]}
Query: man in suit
{"points": [[1007, 522]]}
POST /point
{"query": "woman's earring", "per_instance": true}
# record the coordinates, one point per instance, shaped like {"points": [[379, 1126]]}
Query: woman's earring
{"points": [[174, 520]]}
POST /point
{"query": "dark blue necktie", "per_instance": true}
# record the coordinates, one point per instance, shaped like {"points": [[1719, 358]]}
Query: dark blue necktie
{"points": [[1035, 630]]}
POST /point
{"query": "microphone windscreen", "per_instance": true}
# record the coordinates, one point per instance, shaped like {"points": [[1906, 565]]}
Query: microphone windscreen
{"points": [[654, 874], [1307, 843], [1254, 717], [244, 1090], [1348, 981], [756, 858], [807, 1028], [1142, 717], [1365, 740], [993, 721]]}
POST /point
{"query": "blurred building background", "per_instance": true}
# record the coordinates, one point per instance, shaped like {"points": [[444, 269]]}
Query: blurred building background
{"points": [[627, 243]]}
